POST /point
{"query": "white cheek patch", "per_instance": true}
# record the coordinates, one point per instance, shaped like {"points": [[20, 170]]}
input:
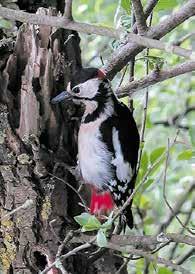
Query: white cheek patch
{"points": [[89, 89], [123, 169]]}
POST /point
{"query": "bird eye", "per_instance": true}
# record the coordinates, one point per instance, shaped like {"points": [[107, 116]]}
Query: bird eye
{"points": [[76, 90]]}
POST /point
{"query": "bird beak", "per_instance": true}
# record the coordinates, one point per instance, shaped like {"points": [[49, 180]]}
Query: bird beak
{"points": [[64, 95]]}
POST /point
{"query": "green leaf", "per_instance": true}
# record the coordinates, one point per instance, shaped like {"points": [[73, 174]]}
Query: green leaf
{"points": [[82, 219], [166, 4], [107, 225], [126, 5], [101, 238], [147, 184], [185, 155], [192, 135], [5, 24], [156, 153], [164, 270], [144, 162], [88, 222]]}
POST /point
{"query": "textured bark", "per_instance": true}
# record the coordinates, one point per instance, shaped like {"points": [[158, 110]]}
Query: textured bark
{"points": [[37, 139]]}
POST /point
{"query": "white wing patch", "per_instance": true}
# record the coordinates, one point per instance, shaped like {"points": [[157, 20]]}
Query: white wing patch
{"points": [[123, 169]]}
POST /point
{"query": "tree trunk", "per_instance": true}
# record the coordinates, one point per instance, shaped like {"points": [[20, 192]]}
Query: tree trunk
{"points": [[39, 140]]}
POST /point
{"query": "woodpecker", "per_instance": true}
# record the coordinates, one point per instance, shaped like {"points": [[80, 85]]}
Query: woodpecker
{"points": [[108, 141]]}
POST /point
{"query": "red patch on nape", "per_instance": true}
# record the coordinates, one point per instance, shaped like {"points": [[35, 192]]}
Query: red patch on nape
{"points": [[101, 202], [101, 74]]}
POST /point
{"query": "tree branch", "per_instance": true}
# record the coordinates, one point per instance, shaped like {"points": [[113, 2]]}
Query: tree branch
{"points": [[146, 242], [57, 21], [140, 16], [173, 121], [186, 256], [149, 7], [184, 38], [68, 9], [88, 28], [156, 44], [155, 77], [150, 257], [124, 54], [177, 207]]}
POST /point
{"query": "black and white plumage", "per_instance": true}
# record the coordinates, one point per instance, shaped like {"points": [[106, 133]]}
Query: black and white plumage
{"points": [[108, 141]]}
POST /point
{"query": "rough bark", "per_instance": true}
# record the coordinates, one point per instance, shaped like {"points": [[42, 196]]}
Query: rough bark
{"points": [[37, 139]]}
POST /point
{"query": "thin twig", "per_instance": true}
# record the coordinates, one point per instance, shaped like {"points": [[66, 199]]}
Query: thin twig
{"points": [[140, 16], [70, 253], [150, 257], [69, 185], [68, 9], [185, 256], [68, 237], [145, 110], [164, 191], [155, 77], [122, 77], [173, 250], [184, 38], [28, 203]]}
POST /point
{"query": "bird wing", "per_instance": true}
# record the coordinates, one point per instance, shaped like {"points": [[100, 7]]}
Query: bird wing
{"points": [[120, 134]]}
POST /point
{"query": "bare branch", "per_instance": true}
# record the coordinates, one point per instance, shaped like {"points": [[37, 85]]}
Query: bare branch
{"points": [[155, 77], [174, 121], [177, 207], [156, 44], [140, 16], [149, 7], [184, 38], [146, 242], [70, 253], [68, 9], [66, 22], [57, 21], [25, 205], [124, 54], [150, 257], [186, 256]]}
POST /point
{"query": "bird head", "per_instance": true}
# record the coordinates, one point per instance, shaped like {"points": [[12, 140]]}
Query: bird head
{"points": [[85, 85]]}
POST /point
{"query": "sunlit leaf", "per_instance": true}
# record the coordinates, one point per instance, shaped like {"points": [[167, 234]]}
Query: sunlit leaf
{"points": [[5, 24], [192, 135], [156, 153], [144, 162], [126, 5], [164, 270], [166, 4], [101, 238], [185, 155], [88, 222], [147, 184]]}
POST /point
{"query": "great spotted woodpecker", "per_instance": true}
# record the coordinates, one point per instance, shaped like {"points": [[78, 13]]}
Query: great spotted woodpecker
{"points": [[108, 141]]}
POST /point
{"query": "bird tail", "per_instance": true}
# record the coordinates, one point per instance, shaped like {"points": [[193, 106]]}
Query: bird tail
{"points": [[101, 202], [128, 216]]}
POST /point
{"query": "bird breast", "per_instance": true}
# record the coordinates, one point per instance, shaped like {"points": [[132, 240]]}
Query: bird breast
{"points": [[94, 156]]}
